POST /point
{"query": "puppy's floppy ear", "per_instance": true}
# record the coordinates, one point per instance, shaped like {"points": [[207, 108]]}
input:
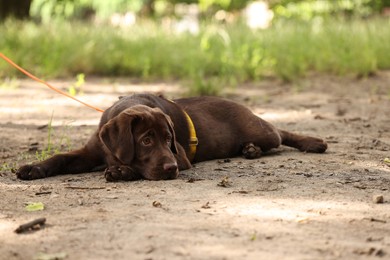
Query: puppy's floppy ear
{"points": [[172, 130], [116, 135]]}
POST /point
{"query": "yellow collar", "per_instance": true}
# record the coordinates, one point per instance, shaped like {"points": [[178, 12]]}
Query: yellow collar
{"points": [[193, 142]]}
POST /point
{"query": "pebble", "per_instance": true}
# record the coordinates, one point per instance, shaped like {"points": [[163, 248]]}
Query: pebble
{"points": [[378, 199]]}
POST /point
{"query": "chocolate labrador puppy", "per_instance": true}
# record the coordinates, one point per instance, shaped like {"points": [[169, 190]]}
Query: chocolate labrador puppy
{"points": [[150, 137]]}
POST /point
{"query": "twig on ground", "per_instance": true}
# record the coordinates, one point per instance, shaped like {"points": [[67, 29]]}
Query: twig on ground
{"points": [[32, 225], [42, 193], [84, 188]]}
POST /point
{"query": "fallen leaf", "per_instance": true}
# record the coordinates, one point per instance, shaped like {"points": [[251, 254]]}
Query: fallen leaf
{"points": [[55, 256], [206, 206], [302, 219], [225, 182], [34, 206], [157, 204], [254, 236]]}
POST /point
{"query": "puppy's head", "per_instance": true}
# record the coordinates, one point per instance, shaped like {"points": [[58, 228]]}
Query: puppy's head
{"points": [[144, 139]]}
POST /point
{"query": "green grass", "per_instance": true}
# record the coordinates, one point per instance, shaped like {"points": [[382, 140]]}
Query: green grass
{"points": [[6, 167], [53, 147], [221, 55]]}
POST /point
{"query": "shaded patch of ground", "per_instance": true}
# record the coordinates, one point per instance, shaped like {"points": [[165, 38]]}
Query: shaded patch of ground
{"points": [[285, 205]]}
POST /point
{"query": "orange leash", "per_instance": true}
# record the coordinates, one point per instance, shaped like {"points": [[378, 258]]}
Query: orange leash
{"points": [[45, 83]]}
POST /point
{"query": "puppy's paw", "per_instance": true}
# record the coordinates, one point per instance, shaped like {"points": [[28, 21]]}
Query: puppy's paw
{"points": [[250, 151], [31, 172], [120, 173], [313, 145]]}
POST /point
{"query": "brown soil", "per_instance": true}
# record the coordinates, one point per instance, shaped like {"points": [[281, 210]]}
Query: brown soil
{"points": [[285, 205]]}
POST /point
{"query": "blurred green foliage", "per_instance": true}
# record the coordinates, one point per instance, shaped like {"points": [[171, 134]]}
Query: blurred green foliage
{"points": [[46, 10], [339, 37], [81, 9], [309, 9], [219, 54]]}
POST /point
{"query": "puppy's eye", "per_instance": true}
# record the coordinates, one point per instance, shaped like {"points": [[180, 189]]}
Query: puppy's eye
{"points": [[169, 139], [147, 141]]}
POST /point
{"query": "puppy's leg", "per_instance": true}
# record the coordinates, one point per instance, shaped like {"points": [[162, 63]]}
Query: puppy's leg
{"points": [[303, 143], [257, 136], [264, 135], [78, 161]]}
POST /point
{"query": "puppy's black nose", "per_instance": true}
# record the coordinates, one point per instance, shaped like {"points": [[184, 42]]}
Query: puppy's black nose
{"points": [[170, 167]]}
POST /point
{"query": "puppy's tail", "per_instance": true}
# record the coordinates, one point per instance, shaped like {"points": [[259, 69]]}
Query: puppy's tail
{"points": [[303, 143]]}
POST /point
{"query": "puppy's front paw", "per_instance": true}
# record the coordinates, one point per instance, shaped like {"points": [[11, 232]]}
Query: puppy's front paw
{"points": [[31, 172], [120, 173]]}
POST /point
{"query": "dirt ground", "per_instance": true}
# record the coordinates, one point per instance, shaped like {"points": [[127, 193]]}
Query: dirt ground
{"points": [[285, 205]]}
